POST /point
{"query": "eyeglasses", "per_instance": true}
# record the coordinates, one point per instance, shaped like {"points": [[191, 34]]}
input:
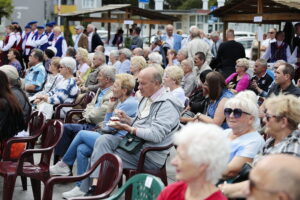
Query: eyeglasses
{"points": [[271, 32], [269, 116], [237, 113]]}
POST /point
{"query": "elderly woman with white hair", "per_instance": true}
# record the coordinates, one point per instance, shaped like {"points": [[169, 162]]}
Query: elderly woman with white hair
{"points": [[201, 159], [155, 57], [114, 59], [172, 80], [241, 114], [124, 57], [239, 80], [67, 90], [136, 65]]}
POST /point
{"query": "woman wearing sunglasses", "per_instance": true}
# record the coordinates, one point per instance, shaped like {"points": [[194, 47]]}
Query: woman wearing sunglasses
{"points": [[241, 114], [282, 116]]}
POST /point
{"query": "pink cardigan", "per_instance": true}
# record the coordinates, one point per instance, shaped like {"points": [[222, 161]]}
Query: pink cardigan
{"points": [[242, 84]]}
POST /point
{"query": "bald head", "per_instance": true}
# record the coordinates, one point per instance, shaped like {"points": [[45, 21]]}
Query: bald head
{"points": [[278, 173], [169, 30], [149, 81]]}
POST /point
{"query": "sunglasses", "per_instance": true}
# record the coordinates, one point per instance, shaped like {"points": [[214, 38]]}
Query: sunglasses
{"points": [[271, 32], [237, 113]]}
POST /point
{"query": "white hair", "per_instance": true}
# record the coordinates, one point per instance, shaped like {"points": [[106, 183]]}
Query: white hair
{"points": [[206, 144], [114, 53], [126, 52], [246, 101], [109, 72], [155, 57], [68, 62]]}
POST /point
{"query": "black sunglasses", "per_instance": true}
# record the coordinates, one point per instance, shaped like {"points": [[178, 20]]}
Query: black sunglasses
{"points": [[237, 113]]}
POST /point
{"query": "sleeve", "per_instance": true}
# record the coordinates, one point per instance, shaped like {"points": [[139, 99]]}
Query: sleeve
{"points": [[64, 47], [41, 41], [251, 148], [38, 78], [10, 44], [229, 78], [293, 58], [243, 84], [59, 95], [189, 86], [267, 53]]}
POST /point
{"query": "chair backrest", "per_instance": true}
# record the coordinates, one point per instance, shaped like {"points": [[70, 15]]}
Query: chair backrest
{"points": [[110, 172], [51, 135], [87, 99], [36, 123], [144, 186]]}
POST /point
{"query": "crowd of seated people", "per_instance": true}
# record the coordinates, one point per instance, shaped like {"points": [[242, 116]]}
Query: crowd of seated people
{"points": [[187, 92]]}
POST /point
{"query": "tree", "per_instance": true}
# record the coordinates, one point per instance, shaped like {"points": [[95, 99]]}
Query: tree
{"points": [[6, 8]]}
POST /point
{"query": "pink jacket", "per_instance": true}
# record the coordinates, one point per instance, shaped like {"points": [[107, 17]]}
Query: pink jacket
{"points": [[242, 84]]}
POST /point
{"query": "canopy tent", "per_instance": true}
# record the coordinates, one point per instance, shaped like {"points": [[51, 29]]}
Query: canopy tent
{"points": [[125, 12], [258, 11]]}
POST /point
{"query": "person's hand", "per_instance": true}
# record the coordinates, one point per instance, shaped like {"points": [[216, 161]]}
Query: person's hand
{"points": [[83, 89], [254, 85], [37, 101], [120, 126], [298, 83], [111, 104], [123, 117]]}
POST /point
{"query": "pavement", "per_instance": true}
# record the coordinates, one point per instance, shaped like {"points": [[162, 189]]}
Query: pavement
{"points": [[19, 194]]}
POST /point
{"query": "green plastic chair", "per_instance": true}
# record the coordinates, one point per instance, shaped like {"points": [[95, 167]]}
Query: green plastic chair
{"points": [[144, 187]]}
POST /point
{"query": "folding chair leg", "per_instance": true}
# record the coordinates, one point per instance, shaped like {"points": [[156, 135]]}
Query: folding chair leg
{"points": [[24, 182], [36, 189]]}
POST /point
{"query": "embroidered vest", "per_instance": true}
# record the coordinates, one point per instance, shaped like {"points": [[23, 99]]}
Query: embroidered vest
{"points": [[58, 46], [278, 52]]}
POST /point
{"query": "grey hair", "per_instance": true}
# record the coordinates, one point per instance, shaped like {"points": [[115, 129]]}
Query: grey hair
{"points": [[262, 62], [68, 62], [155, 57], [215, 34], [183, 51], [126, 52], [187, 62], [206, 144], [247, 101], [114, 53], [109, 72]]}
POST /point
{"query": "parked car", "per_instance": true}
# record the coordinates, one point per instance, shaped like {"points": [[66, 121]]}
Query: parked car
{"points": [[247, 43]]}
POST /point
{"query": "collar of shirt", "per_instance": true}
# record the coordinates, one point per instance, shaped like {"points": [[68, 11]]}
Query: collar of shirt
{"points": [[35, 66], [157, 94]]}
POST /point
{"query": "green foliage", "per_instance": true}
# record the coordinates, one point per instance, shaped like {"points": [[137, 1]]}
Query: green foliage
{"points": [[6, 8], [190, 4]]}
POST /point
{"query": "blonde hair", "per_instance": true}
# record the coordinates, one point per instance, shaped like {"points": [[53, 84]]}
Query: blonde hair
{"points": [[55, 61], [139, 61], [84, 54], [285, 106], [175, 73], [243, 62], [127, 82], [57, 28]]}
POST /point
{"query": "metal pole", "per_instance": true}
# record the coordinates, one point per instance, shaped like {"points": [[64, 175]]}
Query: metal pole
{"points": [[58, 9]]}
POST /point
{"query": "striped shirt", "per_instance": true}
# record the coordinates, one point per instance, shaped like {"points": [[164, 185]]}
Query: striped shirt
{"points": [[65, 92]]}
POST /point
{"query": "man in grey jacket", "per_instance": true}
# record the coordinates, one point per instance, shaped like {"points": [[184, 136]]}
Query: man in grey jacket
{"points": [[156, 122]]}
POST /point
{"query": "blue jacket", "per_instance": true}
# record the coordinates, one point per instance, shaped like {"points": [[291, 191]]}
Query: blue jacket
{"points": [[177, 41]]}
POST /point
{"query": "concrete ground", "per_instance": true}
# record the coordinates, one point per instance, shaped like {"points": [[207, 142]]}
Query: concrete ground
{"points": [[19, 194]]}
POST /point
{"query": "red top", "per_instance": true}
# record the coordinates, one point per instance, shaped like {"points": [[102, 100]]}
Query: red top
{"points": [[176, 191]]}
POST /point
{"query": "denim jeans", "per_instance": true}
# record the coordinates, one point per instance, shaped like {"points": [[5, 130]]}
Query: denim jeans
{"points": [[70, 131], [81, 149]]}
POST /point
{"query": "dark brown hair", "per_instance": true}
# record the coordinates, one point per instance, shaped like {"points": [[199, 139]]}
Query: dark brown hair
{"points": [[216, 83]]}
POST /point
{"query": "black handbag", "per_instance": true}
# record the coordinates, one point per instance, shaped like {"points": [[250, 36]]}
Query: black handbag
{"points": [[131, 143]]}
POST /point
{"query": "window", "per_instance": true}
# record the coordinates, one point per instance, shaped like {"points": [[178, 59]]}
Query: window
{"points": [[88, 3]]}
